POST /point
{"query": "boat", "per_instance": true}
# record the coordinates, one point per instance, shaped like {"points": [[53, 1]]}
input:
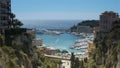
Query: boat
{"points": [[83, 43], [45, 31]]}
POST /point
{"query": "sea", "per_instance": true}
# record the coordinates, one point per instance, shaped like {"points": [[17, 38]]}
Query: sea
{"points": [[63, 41], [50, 24]]}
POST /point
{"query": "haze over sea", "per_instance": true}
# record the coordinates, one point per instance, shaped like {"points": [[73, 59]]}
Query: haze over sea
{"points": [[63, 41], [50, 24]]}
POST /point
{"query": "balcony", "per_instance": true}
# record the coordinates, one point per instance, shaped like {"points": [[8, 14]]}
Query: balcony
{"points": [[3, 21], [4, 15], [5, 4]]}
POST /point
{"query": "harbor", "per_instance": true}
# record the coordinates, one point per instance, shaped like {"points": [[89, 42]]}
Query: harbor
{"points": [[78, 44]]}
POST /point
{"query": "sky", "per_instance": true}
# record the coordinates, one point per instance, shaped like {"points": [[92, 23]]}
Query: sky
{"points": [[63, 9]]}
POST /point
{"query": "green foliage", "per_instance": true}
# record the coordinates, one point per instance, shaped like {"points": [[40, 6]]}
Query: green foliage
{"points": [[8, 57], [91, 64], [16, 23], [118, 47], [81, 64], [17, 45], [91, 23], [16, 48], [20, 52], [14, 32], [85, 60], [44, 62], [1, 40], [107, 48], [77, 63], [58, 51], [64, 51], [72, 60]]}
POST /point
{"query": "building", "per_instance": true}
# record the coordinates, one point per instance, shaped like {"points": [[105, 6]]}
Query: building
{"points": [[106, 20], [95, 31], [36, 42], [65, 64], [106, 23], [5, 13], [84, 29]]}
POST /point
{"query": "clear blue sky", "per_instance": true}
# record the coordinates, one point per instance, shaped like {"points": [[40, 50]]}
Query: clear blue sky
{"points": [[63, 9]]}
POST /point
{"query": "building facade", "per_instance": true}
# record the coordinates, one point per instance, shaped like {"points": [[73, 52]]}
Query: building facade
{"points": [[106, 20], [5, 13], [96, 30], [84, 29]]}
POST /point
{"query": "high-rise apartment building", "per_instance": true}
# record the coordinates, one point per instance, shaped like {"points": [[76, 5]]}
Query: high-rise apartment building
{"points": [[106, 20], [5, 12]]}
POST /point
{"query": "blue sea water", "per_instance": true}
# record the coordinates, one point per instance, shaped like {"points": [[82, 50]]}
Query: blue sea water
{"points": [[50, 24], [62, 41]]}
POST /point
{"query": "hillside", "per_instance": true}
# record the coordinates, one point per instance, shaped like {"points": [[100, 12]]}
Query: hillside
{"points": [[107, 52], [17, 51], [89, 23], [20, 53]]}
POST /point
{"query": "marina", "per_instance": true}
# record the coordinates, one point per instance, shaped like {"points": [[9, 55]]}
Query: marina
{"points": [[62, 41], [67, 41], [83, 43]]}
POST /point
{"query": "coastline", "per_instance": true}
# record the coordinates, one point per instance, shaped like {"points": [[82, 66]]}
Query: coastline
{"points": [[80, 53]]}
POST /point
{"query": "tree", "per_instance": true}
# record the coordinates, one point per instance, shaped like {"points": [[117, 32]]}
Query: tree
{"points": [[72, 60], [91, 23], [82, 64], [1, 40], [17, 23], [64, 51], [107, 48], [10, 22], [14, 22], [85, 60], [77, 63], [12, 16]]}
